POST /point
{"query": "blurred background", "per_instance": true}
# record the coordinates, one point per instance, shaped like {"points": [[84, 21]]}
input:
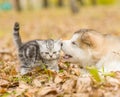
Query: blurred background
{"points": [[42, 19]]}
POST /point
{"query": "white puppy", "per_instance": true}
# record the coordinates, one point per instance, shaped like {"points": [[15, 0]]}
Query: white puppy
{"points": [[88, 47]]}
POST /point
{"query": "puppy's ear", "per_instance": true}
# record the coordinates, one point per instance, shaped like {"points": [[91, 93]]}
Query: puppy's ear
{"points": [[89, 39]]}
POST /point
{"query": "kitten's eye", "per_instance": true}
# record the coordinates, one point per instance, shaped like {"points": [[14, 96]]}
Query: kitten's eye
{"points": [[54, 52], [46, 53], [73, 43]]}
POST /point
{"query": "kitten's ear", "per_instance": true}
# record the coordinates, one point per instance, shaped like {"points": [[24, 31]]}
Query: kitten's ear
{"points": [[40, 42]]}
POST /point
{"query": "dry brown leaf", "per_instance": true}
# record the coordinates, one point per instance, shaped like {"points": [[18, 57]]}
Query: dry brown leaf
{"points": [[66, 74], [117, 74], [4, 76], [13, 71], [67, 95], [36, 83], [6, 57], [96, 93], [113, 81], [58, 79], [47, 90], [75, 71], [63, 66], [27, 94], [80, 95], [22, 88], [69, 86], [112, 93], [51, 95], [83, 84], [31, 92], [4, 83], [3, 90]]}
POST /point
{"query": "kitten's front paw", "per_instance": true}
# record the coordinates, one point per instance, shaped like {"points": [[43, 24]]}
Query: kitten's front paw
{"points": [[24, 71], [57, 70]]}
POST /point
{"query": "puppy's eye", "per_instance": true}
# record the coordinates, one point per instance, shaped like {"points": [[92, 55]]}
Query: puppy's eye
{"points": [[73, 43], [46, 53]]}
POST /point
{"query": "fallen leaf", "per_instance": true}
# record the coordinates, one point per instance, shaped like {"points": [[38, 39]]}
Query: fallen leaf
{"points": [[36, 83], [113, 81], [112, 93], [58, 79], [3, 90], [47, 90], [83, 84], [28, 94], [4, 83], [69, 86], [22, 88], [96, 93], [80, 95], [67, 95], [76, 71]]}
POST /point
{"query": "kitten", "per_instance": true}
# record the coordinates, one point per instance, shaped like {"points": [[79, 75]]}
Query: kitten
{"points": [[43, 53], [50, 53]]}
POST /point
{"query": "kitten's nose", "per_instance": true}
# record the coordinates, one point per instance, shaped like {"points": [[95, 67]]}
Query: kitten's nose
{"points": [[50, 56]]}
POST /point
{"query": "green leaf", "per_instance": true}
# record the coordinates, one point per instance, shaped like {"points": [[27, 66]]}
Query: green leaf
{"points": [[111, 74], [5, 94], [26, 79], [103, 70], [95, 73], [61, 71], [67, 64]]}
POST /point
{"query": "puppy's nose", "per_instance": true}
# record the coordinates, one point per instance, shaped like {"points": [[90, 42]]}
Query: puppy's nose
{"points": [[61, 44]]}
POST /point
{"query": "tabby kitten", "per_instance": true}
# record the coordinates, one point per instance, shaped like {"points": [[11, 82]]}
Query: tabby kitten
{"points": [[43, 53]]}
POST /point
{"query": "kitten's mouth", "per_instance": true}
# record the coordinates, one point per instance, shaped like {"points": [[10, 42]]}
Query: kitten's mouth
{"points": [[66, 56]]}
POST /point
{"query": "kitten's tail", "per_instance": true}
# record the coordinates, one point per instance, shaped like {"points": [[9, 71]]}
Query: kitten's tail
{"points": [[16, 35]]}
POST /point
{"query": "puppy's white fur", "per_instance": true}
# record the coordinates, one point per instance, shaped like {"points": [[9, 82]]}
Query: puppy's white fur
{"points": [[88, 47]]}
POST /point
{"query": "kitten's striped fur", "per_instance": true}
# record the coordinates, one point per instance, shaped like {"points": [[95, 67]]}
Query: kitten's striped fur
{"points": [[37, 52]]}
